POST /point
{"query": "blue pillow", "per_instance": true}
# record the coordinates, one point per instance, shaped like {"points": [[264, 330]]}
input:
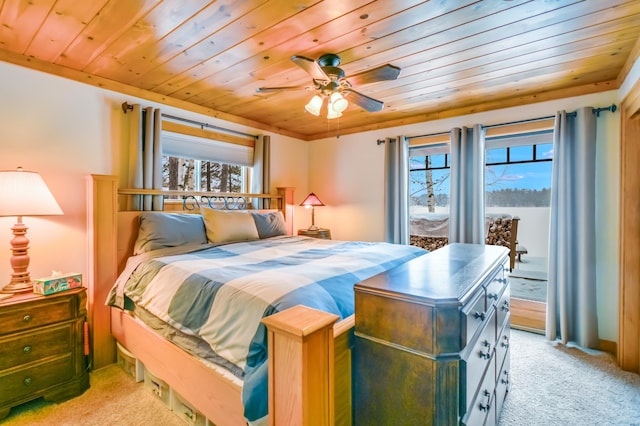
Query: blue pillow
{"points": [[270, 224], [160, 230]]}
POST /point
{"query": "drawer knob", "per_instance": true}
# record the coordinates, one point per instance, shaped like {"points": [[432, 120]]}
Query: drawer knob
{"points": [[487, 406], [493, 296], [505, 343], [27, 381], [27, 318], [485, 355], [479, 315], [27, 349], [505, 381], [505, 306]]}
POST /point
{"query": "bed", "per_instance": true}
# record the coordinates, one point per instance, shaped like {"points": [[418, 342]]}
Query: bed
{"points": [[302, 336]]}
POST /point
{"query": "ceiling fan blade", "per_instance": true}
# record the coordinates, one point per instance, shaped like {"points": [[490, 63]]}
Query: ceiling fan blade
{"points": [[364, 101], [280, 89], [311, 67], [383, 73]]}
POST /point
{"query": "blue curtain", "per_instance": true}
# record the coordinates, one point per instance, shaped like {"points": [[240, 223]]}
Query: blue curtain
{"points": [[571, 295], [145, 157], [396, 190], [466, 206]]}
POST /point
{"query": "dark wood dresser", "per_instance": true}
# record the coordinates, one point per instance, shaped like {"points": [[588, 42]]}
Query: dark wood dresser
{"points": [[41, 348], [432, 340]]}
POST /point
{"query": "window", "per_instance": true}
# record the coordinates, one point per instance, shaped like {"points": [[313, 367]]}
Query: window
{"points": [[518, 170], [429, 170], [191, 163], [198, 175]]}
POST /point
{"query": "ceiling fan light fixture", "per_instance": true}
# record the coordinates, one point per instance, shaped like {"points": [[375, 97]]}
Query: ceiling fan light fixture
{"points": [[314, 105], [338, 102], [332, 113]]}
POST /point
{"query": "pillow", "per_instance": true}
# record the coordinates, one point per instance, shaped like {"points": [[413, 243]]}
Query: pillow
{"points": [[160, 230], [224, 226], [270, 224]]}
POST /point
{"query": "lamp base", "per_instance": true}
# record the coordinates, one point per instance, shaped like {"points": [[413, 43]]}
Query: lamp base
{"points": [[17, 288], [312, 228]]}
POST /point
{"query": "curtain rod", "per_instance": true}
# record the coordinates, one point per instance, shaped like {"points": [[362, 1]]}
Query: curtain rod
{"points": [[596, 111], [127, 107]]}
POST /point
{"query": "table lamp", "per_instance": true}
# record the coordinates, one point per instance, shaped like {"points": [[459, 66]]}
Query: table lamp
{"points": [[23, 193], [312, 201]]}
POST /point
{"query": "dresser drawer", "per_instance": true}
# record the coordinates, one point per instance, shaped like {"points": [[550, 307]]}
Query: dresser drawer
{"points": [[474, 315], [495, 288], [502, 384], [477, 360], [30, 315], [23, 348], [502, 344], [15, 384], [482, 405], [503, 308]]}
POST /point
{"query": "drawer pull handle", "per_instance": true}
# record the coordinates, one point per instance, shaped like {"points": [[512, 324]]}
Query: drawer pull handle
{"points": [[493, 296], [479, 315], [487, 354], [27, 318], [505, 306], [505, 381], [487, 406], [504, 345], [27, 349], [27, 381]]}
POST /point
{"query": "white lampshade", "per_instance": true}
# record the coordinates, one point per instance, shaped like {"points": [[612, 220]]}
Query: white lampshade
{"points": [[332, 113], [338, 102], [25, 194], [314, 105]]}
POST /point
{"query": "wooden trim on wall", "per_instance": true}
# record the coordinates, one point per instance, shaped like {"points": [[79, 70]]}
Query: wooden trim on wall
{"points": [[629, 290]]}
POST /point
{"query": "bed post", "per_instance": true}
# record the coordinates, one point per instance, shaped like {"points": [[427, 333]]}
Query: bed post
{"points": [[287, 206], [101, 229], [301, 367]]}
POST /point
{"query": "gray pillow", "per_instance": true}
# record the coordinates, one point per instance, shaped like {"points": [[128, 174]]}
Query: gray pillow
{"points": [[160, 230], [270, 224]]}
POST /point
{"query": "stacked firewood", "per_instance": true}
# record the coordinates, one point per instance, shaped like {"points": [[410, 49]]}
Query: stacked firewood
{"points": [[429, 243], [499, 233]]}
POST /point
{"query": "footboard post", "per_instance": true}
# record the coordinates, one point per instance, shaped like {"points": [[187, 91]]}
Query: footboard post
{"points": [[301, 370]]}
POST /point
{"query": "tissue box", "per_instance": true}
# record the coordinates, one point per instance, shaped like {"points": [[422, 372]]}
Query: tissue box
{"points": [[57, 284]]}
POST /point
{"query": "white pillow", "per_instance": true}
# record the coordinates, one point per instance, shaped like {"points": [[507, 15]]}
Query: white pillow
{"points": [[225, 226]]}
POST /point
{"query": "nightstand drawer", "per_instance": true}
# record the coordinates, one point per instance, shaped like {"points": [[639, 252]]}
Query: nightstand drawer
{"points": [[26, 381], [24, 348], [31, 315]]}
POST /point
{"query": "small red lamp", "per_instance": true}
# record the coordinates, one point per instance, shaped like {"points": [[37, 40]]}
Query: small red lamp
{"points": [[23, 194], [312, 201]]}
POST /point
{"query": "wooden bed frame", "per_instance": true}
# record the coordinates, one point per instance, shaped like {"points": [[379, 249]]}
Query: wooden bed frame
{"points": [[309, 353]]}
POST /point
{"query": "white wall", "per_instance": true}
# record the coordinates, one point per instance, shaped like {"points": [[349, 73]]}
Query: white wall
{"points": [[347, 174], [66, 130]]}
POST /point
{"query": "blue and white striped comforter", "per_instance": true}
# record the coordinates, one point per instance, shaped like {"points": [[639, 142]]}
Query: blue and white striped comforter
{"points": [[221, 293]]}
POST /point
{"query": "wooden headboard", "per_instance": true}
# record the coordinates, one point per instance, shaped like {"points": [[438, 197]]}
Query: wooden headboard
{"points": [[112, 232]]}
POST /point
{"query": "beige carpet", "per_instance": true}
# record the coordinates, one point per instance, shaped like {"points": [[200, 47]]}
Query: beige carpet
{"points": [[114, 398], [550, 385]]}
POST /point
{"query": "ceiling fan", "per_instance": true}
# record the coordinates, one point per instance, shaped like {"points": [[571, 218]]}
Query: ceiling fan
{"points": [[331, 82]]}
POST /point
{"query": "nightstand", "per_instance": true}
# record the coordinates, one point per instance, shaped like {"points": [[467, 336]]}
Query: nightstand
{"points": [[42, 348], [322, 233]]}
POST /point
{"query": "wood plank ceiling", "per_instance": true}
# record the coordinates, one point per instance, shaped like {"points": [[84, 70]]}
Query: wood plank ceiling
{"points": [[456, 57]]}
